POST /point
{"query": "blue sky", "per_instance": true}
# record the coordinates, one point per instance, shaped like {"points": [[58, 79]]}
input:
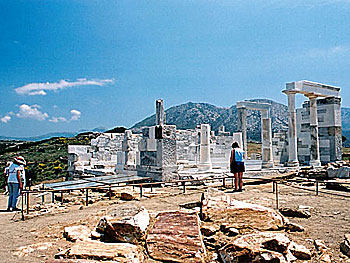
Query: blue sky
{"points": [[69, 65]]}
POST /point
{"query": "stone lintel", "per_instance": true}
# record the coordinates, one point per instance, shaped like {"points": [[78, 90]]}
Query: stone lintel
{"points": [[251, 105], [312, 89]]}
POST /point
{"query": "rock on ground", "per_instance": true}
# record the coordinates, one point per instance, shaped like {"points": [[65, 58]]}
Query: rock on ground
{"points": [[74, 233], [175, 237], [290, 212], [240, 215], [345, 245], [129, 228], [263, 247], [96, 250]]}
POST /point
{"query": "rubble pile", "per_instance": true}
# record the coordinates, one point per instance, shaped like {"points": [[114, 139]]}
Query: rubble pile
{"points": [[225, 230]]}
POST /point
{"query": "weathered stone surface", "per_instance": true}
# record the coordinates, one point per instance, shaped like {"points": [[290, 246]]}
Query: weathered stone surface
{"points": [[300, 252], [175, 237], [75, 261], [263, 247], [293, 227], [325, 255], [240, 215], [345, 245], [120, 252], [74, 233], [129, 228], [290, 212]]}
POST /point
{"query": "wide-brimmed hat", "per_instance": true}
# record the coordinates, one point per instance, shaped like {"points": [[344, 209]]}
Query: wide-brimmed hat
{"points": [[20, 160]]}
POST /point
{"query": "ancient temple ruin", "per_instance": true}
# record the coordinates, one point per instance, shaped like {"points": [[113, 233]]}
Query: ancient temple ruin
{"points": [[310, 130], [266, 132]]}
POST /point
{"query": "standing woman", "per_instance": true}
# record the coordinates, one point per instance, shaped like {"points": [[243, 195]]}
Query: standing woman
{"points": [[14, 182], [237, 165]]}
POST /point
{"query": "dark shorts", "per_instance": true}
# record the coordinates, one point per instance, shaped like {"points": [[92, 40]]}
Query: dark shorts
{"points": [[237, 167]]}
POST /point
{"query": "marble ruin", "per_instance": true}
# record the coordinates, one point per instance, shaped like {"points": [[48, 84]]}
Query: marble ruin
{"points": [[309, 130], [161, 151], [266, 131]]}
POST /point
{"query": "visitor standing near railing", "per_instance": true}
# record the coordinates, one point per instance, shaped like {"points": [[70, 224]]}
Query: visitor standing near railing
{"points": [[237, 165], [15, 185]]}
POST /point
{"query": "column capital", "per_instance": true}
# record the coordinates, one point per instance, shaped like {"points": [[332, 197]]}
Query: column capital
{"points": [[290, 92]]}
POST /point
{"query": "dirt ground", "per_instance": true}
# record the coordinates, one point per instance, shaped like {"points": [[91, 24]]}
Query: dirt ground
{"points": [[330, 218]]}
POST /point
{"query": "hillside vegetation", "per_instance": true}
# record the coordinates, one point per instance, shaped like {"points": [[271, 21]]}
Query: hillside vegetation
{"points": [[46, 159]]}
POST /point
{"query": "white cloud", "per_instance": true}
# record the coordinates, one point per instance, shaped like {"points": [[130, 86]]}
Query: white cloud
{"points": [[5, 119], [42, 88], [58, 119], [31, 112], [75, 115]]}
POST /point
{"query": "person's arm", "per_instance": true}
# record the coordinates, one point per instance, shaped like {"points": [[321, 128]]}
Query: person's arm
{"points": [[19, 179]]}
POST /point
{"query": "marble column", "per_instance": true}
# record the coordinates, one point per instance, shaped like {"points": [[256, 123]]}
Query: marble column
{"points": [[242, 126], [128, 150], [292, 131], [160, 115], [266, 138], [314, 141], [205, 161]]}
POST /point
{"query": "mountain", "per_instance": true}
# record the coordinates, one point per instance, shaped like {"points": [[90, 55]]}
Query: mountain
{"points": [[189, 115]]}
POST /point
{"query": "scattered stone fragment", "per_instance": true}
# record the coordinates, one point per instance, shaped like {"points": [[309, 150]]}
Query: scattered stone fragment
{"points": [[240, 215], [325, 255], [119, 252], [74, 261], [208, 230], [95, 235], [127, 196], [191, 205], [130, 228], [345, 245], [299, 251], [175, 237], [263, 247], [74, 233], [293, 227], [290, 212], [24, 251]]}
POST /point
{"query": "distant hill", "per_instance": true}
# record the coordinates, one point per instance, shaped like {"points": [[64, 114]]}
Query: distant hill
{"points": [[189, 115], [51, 135]]}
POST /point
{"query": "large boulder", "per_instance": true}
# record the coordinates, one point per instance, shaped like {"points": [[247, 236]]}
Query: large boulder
{"points": [[129, 227], [176, 237], [99, 251], [245, 217], [291, 212]]}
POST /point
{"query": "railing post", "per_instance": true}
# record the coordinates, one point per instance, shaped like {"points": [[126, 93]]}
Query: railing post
{"points": [[276, 186], [87, 197], [224, 182], [27, 202], [140, 190], [316, 187], [184, 187]]}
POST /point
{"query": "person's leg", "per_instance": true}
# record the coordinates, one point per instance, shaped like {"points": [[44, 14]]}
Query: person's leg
{"points": [[15, 195], [9, 204], [236, 181], [240, 175]]}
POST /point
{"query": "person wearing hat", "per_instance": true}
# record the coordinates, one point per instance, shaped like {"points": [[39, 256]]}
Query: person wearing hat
{"points": [[14, 182]]}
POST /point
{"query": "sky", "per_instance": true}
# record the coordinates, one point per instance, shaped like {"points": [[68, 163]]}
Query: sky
{"points": [[70, 65]]}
